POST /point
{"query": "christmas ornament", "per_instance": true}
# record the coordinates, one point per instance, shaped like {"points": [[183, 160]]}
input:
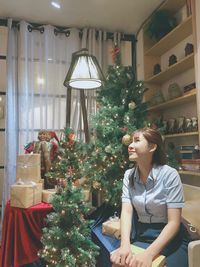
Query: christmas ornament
{"points": [[71, 138], [126, 140], [75, 183], [108, 149], [70, 170], [114, 53], [132, 105], [96, 185], [124, 129], [126, 119]]}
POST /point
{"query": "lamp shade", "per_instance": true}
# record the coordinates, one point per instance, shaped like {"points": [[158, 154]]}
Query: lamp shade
{"points": [[84, 71]]}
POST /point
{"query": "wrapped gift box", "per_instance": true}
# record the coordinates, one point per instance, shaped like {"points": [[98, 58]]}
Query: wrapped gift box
{"points": [[25, 195], [47, 195], [87, 195], [28, 167], [112, 228], [42, 182]]}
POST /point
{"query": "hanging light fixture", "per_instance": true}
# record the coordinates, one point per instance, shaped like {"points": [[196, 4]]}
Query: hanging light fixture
{"points": [[84, 71]]}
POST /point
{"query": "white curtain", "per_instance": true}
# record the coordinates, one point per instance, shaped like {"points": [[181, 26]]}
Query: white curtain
{"points": [[37, 63], [11, 133]]}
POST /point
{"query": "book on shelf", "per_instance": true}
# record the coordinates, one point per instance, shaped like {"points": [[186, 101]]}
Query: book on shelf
{"points": [[159, 261], [185, 151], [185, 147], [186, 154], [190, 165], [191, 161]]}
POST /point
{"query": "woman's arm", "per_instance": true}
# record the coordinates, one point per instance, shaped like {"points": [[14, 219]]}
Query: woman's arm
{"points": [[119, 256], [168, 232]]}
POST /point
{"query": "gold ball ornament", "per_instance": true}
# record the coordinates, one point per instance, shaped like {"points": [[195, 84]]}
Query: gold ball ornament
{"points": [[132, 105], [126, 140], [108, 149], [96, 185], [63, 212]]}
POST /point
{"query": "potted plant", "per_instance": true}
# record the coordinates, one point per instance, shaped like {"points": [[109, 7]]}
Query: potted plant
{"points": [[160, 23]]}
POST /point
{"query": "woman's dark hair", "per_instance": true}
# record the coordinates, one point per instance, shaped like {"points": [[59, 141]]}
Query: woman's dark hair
{"points": [[154, 137]]}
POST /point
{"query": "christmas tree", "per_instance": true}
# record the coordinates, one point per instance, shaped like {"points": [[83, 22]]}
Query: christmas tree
{"points": [[66, 238], [121, 111], [68, 160]]}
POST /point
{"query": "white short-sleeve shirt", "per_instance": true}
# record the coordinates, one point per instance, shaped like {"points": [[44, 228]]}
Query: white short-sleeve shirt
{"points": [[163, 190]]}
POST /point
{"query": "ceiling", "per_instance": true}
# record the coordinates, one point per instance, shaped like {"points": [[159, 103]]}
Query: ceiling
{"points": [[112, 15]]}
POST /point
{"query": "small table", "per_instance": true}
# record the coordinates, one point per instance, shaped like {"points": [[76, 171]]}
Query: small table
{"points": [[21, 233]]}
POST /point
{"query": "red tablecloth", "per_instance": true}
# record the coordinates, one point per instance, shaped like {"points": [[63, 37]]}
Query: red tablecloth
{"points": [[21, 233]]}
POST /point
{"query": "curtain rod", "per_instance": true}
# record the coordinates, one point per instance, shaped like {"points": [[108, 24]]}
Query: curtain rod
{"points": [[61, 29]]}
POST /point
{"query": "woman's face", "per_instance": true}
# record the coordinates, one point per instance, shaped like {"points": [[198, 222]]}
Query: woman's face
{"points": [[139, 148]]}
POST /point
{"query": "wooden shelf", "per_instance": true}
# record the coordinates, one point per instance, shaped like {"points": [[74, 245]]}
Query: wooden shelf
{"points": [[190, 173], [181, 134], [172, 5], [171, 39], [187, 97], [179, 67]]}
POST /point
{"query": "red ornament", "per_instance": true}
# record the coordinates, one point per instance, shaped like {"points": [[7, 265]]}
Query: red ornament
{"points": [[76, 183], [114, 53], [124, 129], [70, 170], [71, 138]]}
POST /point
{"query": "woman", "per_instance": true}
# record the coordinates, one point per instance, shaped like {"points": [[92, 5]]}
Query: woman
{"points": [[155, 191]]}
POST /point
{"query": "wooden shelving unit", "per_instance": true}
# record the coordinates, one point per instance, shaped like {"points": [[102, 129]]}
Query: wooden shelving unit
{"points": [[181, 134], [177, 68], [172, 5], [171, 39], [186, 98], [158, 53], [189, 173]]}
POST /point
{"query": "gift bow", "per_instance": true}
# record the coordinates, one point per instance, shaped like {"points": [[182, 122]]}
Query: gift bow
{"points": [[115, 217]]}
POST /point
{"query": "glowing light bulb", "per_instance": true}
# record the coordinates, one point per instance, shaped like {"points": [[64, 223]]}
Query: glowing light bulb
{"points": [[55, 4]]}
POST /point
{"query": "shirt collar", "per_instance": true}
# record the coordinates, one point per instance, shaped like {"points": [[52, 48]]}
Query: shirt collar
{"points": [[152, 176]]}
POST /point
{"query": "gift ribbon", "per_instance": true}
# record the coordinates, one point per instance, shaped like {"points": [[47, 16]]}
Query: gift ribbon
{"points": [[114, 217], [33, 186], [110, 230]]}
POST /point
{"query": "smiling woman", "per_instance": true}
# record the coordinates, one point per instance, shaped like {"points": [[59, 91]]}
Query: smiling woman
{"points": [[154, 191]]}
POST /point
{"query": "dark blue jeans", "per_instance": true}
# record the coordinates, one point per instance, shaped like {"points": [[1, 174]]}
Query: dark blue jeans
{"points": [[176, 251]]}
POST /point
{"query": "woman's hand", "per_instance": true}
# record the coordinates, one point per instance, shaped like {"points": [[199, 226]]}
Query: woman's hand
{"points": [[122, 256], [143, 259]]}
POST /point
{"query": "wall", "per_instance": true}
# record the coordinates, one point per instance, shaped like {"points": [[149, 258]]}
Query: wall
{"points": [[3, 48]]}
